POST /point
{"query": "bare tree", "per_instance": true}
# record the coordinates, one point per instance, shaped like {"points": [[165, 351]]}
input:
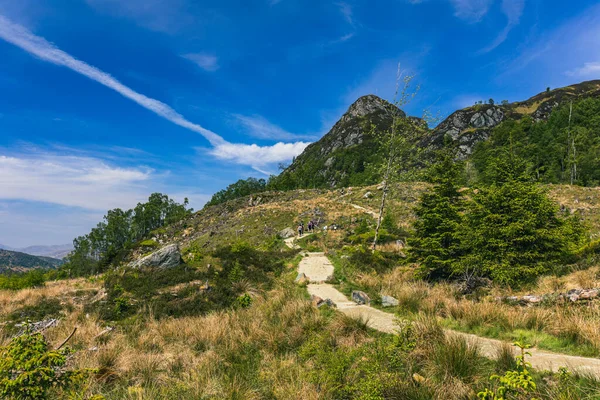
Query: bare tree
{"points": [[396, 142]]}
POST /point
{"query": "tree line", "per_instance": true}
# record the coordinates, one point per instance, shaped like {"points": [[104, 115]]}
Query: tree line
{"points": [[119, 231]]}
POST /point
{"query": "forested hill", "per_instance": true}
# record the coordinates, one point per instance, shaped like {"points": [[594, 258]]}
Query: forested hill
{"points": [[17, 261], [538, 129]]}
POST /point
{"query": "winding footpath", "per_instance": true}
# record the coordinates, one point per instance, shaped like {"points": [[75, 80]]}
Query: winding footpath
{"points": [[318, 268]]}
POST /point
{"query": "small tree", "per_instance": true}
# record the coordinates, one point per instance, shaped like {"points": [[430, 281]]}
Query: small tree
{"points": [[436, 243], [29, 369], [401, 154]]}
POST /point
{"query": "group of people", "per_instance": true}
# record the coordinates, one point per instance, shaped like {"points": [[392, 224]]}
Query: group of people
{"points": [[311, 227]]}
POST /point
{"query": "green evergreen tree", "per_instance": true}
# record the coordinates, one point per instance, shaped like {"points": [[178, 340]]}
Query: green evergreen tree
{"points": [[513, 231], [436, 243]]}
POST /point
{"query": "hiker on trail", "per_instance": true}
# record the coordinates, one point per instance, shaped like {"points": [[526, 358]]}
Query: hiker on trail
{"points": [[310, 226], [300, 229]]}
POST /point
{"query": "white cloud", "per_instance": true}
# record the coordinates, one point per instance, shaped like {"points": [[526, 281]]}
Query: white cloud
{"points": [[513, 9], [40, 47], [259, 127], [207, 62], [71, 181], [588, 70], [258, 156], [471, 10]]}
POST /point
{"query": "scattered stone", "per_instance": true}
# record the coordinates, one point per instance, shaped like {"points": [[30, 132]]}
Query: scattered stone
{"points": [[167, 257], [301, 279], [327, 302], [368, 195], [418, 378], [360, 297], [389, 301], [573, 295], [316, 300], [531, 299], [380, 187]]}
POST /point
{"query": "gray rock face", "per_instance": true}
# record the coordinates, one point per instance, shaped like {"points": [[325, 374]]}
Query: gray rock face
{"points": [[167, 257], [369, 104], [287, 233], [360, 297], [389, 301]]}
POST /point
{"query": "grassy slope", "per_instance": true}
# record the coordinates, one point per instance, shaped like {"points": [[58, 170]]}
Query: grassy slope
{"points": [[282, 347]]}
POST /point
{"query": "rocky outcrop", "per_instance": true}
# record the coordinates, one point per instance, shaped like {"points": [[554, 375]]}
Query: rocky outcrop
{"points": [[346, 149], [473, 124], [167, 257]]}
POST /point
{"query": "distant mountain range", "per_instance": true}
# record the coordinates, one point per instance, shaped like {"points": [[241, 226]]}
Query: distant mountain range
{"points": [[58, 251]]}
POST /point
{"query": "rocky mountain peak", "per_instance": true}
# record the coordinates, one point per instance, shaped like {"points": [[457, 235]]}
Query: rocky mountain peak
{"points": [[370, 104]]}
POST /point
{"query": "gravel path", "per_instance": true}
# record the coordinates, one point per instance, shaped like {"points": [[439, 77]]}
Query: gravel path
{"points": [[318, 268]]}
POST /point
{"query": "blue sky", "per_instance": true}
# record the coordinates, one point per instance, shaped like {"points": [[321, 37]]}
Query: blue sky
{"points": [[103, 102]]}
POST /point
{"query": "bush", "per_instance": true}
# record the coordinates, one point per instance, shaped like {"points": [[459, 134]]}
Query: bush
{"points": [[25, 280]]}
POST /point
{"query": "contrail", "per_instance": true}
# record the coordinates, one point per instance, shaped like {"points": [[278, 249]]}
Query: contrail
{"points": [[253, 155], [40, 47]]}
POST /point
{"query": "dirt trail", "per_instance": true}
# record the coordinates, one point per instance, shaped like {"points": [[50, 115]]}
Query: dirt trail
{"points": [[317, 268]]}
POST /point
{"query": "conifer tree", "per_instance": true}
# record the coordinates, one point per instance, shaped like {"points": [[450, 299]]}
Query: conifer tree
{"points": [[513, 231], [436, 244]]}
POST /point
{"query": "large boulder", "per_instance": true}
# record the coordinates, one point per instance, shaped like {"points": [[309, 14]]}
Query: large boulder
{"points": [[360, 297], [287, 233], [167, 257]]}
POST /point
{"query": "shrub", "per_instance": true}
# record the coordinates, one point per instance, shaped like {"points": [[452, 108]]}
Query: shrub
{"points": [[29, 279], [515, 383], [29, 369]]}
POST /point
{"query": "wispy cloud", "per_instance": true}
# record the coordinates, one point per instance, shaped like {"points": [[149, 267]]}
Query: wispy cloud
{"points": [[41, 48], [207, 62], [471, 10], [513, 9], [556, 56], [346, 11], [259, 127], [167, 16], [588, 70]]}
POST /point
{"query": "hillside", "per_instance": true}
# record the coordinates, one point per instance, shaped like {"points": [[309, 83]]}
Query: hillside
{"points": [[473, 124], [345, 156], [59, 251], [17, 261], [234, 321]]}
